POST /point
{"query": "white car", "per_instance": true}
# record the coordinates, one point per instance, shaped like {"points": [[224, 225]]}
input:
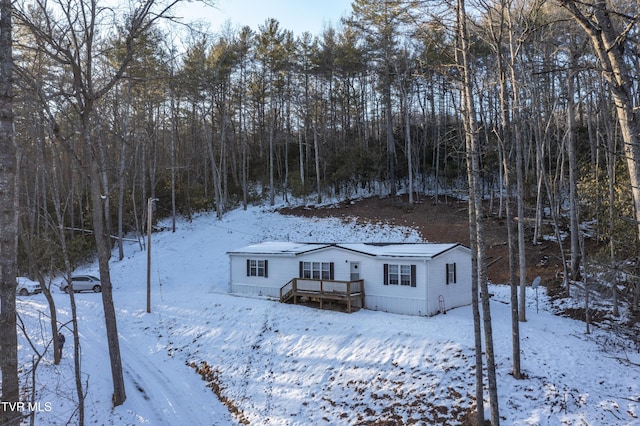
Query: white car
{"points": [[27, 286], [82, 283]]}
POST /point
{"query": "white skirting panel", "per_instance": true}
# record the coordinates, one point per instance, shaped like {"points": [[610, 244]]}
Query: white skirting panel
{"points": [[239, 288], [397, 305]]}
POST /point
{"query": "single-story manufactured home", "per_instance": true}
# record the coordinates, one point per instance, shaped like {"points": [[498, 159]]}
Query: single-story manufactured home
{"points": [[406, 278]]}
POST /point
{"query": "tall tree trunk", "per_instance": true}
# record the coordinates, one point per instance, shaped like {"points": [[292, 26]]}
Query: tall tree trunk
{"points": [[301, 158], [391, 143], [477, 318], [172, 136], [506, 135], [8, 225], [215, 173], [76, 353], [407, 120], [245, 165], [476, 209], [573, 164], [55, 185], [103, 248], [121, 175], [223, 172], [104, 181], [316, 151], [272, 130], [522, 261], [611, 173]]}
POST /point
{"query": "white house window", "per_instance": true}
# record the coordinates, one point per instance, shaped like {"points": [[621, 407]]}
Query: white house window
{"points": [[451, 273], [316, 270], [257, 268], [405, 275], [393, 275], [400, 275]]}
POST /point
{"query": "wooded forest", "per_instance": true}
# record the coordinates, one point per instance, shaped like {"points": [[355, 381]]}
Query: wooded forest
{"points": [[214, 120], [530, 108]]}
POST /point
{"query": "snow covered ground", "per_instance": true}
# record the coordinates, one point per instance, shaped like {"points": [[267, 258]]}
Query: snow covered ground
{"points": [[268, 363]]}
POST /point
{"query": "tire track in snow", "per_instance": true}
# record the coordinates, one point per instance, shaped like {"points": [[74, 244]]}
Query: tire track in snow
{"points": [[166, 401], [157, 387], [268, 364], [251, 371]]}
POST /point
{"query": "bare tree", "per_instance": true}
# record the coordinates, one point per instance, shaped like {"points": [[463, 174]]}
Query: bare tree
{"points": [[69, 32], [576, 253], [476, 214], [502, 38], [55, 184], [609, 31]]}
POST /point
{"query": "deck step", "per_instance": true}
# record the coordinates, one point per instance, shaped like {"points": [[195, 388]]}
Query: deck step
{"points": [[286, 297]]}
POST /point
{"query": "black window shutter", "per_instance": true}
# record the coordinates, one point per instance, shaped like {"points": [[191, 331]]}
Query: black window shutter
{"points": [[300, 273], [413, 275], [386, 274], [331, 271], [455, 280], [447, 273], [266, 268], [248, 268]]}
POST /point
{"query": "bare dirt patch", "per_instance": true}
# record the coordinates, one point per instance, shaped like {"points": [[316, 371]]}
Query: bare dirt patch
{"points": [[445, 222]]}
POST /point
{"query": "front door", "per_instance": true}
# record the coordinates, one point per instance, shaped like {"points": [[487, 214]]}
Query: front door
{"points": [[355, 271]]}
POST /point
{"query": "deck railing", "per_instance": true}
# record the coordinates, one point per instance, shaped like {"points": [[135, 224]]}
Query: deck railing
{"points": [[323, 290]]}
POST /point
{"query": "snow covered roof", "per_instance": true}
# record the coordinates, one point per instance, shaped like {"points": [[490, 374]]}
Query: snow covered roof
{"points": [[278, 247], [400, 250], [424, 250]]}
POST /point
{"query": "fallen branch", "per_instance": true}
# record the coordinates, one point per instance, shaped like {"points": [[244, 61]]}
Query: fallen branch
{"points": [[89, 231]]}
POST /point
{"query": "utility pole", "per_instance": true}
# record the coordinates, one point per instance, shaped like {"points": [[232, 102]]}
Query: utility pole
{"points": [[149, 225]]}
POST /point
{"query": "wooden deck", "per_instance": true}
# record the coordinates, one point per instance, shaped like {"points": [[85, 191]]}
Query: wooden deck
{"points": [[346, 292]]}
